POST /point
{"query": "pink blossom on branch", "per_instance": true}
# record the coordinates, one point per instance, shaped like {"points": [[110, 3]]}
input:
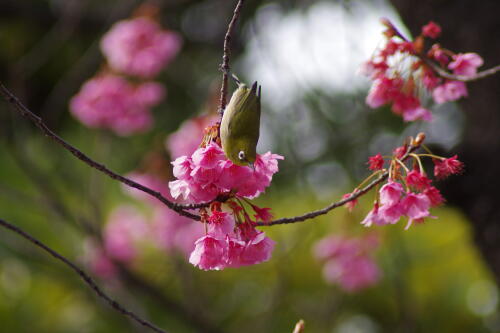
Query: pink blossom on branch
{"points": [[139, 47], [208, 173], [466, 64]]}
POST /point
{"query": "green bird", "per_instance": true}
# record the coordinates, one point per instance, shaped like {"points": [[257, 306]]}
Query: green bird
{"points": [[240, 125]]}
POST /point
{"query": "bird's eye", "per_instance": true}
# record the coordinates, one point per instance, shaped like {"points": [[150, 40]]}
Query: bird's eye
{"points": [[241, 155]]}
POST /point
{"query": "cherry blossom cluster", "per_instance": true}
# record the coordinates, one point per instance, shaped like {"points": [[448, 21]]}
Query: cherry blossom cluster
{"points": [[349, 261], [119, 98], [401, 76], [207, 173], [231, 239], [408, 192]]}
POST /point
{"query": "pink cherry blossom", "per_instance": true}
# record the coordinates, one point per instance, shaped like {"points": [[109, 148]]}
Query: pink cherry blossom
{"points": [[383, 91], [417, 113], [376, 162], [418, 180], [211, 174], [416, 207], [449, 91], [186, 140], [391, 213], [465, 64], [262, 214], [447, 166], [109, 101], [434, 196], [208, 157], [351, 204], [209, 254], [390, 193], [431, 30], [139, 47], [257, 250], [220, 224], [373, 217]]}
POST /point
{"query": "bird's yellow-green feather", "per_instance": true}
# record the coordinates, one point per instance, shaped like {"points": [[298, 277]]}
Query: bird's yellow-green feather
{"points": [[240, 125]]}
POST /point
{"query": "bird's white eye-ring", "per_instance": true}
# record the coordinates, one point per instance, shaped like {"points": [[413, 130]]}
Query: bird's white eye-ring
{"points": [[241, 155]]}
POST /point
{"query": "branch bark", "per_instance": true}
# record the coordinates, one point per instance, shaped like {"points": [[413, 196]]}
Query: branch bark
{"points": [[84, 276]]}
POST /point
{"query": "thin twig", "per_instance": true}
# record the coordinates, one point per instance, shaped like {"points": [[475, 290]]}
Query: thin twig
{"points": [[224, 67], [333, 205], [23, 110], [443, 73], [85, 277]]}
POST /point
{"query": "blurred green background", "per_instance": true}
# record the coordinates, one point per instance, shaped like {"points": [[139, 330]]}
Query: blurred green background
{"points": [[305, 54]]}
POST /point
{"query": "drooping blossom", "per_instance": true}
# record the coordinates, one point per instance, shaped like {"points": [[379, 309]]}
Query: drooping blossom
{"points": [[228, 244], [465, 64], [449, 91], [139, 47], [210, 253], [124, 229], [431, 30], [434, 196], [208, 173], [375, 162], [348, 261], [416, 207], [111, 102], [418, 180], [187, 138], [447, 166]]}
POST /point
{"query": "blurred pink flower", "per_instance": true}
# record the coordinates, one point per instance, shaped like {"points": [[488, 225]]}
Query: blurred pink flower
{"points": [[151, 181], [174, 232], [125, 227], [348, 261], [447, 166], [466, 64], [187, 139], [449, 91], [109, 101], [352, 275], [99, 263], [139, 47], [431, 29]]}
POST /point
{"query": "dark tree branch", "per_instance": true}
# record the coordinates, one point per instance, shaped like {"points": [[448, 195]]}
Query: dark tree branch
{"points": [[85, 277], [224, 67], [23, 110]]}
